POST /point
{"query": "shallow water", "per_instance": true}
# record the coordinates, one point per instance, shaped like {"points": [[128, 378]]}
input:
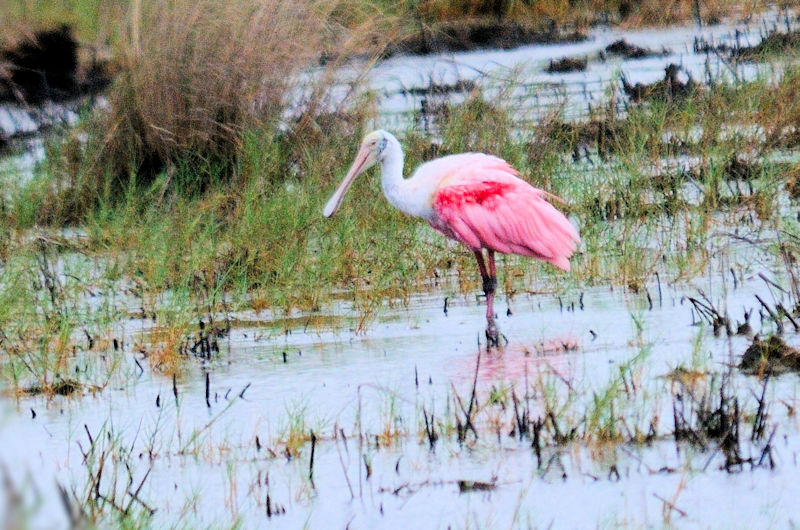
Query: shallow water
{"points": [[338, 384], [574, 93]]}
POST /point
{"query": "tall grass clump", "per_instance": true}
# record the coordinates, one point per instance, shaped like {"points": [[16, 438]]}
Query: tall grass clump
{"points": [[198, 74], [195, 77]]}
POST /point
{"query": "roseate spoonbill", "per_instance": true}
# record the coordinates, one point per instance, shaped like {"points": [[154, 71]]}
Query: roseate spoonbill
{"points": [[474, 198]]}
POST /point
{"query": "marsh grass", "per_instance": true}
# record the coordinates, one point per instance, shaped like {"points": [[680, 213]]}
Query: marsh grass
{"points": [[256, 239], [240, 228], [47, 317], [98, 22], [202, 236], [111, 493], [295, 431]]}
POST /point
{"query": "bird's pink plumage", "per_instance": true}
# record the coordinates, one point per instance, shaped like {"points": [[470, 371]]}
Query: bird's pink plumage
{"points": [[483, 204]]}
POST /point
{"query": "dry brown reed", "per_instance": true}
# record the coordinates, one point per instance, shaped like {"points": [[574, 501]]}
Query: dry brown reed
{"points": [[197, 74]]}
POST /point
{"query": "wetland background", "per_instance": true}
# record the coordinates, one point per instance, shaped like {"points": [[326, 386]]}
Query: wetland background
{"points": [[185, 340]]}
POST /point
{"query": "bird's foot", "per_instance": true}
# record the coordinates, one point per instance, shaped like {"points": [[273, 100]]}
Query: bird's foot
{"points": [[492, 335]]}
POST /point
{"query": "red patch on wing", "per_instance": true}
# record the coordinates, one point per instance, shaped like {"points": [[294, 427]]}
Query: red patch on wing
{"points": [[478, 193]]}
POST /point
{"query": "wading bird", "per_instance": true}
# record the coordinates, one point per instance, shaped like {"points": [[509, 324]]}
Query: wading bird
{"points": [[474, 198]]}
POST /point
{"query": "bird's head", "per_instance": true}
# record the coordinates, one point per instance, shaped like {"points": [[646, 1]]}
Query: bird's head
{"points": [[372, 150]]}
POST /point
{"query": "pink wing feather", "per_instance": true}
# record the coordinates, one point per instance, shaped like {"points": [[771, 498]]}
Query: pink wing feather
{"points": [[484, 204]]}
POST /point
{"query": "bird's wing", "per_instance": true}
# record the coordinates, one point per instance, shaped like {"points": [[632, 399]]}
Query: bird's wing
{"points": [[487, 206]]}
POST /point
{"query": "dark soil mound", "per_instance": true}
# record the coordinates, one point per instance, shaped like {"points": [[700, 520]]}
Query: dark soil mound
{"points": [[772, 356], [668, 89], [631, 51], [567, 64]]}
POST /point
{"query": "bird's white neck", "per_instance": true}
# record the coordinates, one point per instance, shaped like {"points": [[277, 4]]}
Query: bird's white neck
{"points": [[412, 195], [392, 181]]}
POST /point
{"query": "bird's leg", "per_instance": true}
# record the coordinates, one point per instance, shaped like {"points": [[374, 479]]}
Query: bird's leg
{"points": [[492, 333], [492, 272], [489, 287]]}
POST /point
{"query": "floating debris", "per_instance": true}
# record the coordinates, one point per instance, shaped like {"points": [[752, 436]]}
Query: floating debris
{"points": [[689, 378]]}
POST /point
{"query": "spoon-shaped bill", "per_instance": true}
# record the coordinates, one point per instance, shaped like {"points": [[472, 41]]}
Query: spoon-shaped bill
{"points": [[364, 159]]}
